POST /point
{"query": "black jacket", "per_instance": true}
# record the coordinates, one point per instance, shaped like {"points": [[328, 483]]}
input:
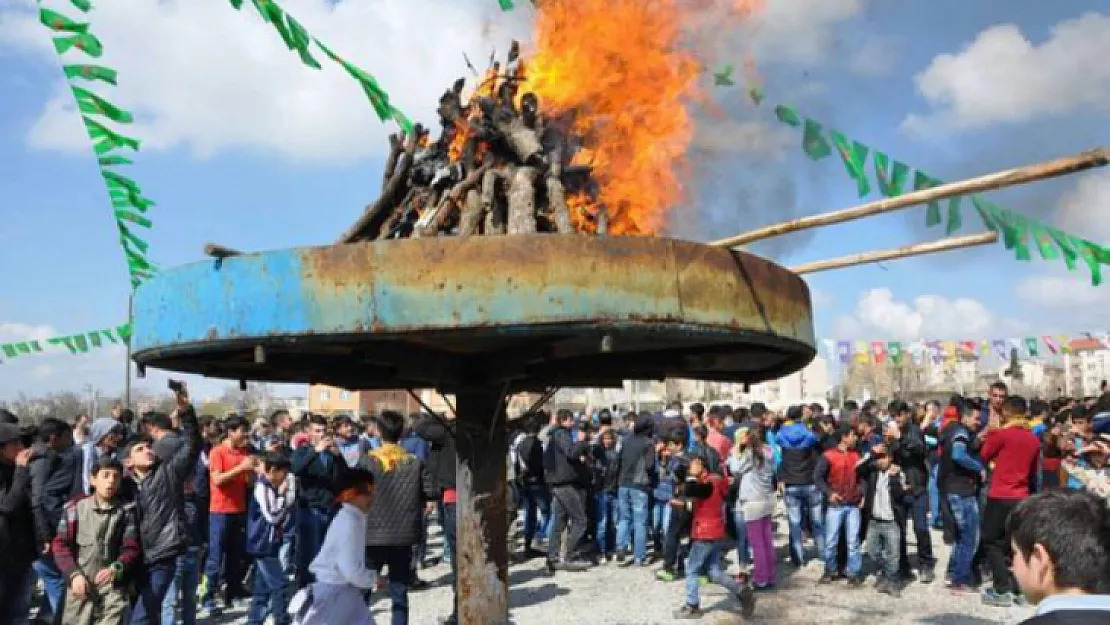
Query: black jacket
{"points": [[17, 527], [606, 467], [529, 459], [561, 464], [869, 473], [442, 457], [53, 483], [637, 458], [163, 524], [317, 476], [400, 490], [909, 453], [1071, 617]]}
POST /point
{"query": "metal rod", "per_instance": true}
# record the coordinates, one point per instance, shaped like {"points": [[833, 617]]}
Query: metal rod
{"points": [[420, 401], [215, 250], [127, 357], [1098, 157], [917, 249]]}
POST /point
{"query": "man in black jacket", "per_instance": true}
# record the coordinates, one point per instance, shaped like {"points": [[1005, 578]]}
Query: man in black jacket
{"points": [[440, 483], [635, 479], [907, 448], [17, 527], [393, 524], [317, 466], [536, 500], [54, 467], [567, 476], [158, 489]]}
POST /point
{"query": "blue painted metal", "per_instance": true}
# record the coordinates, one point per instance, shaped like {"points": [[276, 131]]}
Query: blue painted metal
{"points": [[480, 291]]}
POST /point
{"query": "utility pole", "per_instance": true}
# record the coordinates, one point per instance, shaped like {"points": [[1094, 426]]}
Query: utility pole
{"points": [[127, 360]]}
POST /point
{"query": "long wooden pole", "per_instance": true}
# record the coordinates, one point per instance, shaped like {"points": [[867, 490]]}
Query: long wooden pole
{"points": [[917, 249], [1098, 157]]}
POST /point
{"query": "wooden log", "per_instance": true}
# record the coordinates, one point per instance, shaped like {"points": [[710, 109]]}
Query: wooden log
{"points": [[395, 148], [471, 219], [1039, 171], [917, 249], [369, 224], [556, 193], [215, 250], [432, 222], [493, 208], [522, 201]]}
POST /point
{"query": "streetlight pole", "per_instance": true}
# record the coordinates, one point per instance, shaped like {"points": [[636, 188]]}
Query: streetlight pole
{"points": [[127, 360]]}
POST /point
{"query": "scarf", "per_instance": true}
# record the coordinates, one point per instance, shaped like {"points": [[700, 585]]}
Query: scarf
{"points": [[390, 455]]}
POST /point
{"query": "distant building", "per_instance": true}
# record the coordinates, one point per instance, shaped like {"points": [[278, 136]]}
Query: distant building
{"points": [[1086, 367]]}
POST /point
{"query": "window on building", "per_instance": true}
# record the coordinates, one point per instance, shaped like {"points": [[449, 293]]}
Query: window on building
{"points": [[345, 396], [325, 395]]}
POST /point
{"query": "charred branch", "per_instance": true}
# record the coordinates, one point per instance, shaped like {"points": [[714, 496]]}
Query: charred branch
{"points": [[369, 224]]}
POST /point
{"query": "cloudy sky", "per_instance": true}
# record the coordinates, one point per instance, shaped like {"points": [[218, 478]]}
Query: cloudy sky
{"points": [[244, 146]]}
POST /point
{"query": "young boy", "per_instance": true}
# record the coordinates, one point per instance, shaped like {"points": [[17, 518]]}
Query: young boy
{"points": [[96, 548], [706, 493], [678, 517], [266, 518], [883, 516], [340, 567], [1060, 541]]}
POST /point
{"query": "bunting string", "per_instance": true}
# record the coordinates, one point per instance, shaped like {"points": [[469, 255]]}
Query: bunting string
{"points": [[129, 205], [892, 178], [80, 343], [1044, 346], [299, 40]]}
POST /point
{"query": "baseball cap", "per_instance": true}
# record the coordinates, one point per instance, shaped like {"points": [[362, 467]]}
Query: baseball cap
{"points": [[9, 433]]}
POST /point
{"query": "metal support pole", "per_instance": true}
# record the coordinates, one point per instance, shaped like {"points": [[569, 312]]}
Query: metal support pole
{"points": [[127, 360], [482, 549]]}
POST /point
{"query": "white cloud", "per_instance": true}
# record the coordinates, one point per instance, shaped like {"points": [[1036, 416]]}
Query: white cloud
{"points": [[203, 76], [820, 298], [1085, 210], [878, 315], [876, 57], [1002, 77]]}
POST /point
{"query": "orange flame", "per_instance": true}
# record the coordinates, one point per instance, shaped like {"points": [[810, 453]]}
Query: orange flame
{"points": [[619, 67]]}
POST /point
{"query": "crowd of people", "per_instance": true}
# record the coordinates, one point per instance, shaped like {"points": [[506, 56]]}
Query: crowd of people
{"points": [[174, 517]]}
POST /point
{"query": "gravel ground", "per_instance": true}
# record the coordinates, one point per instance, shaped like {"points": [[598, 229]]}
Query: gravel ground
{"points": [[609, 595]]}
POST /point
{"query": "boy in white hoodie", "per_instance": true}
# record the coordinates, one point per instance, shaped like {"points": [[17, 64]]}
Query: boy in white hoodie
{"points": [[340, 571]]}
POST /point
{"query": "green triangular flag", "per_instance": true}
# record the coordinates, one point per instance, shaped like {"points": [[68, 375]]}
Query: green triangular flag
{"points": [[890, 181], [922, 180], [301, 42], [273, 14], [955, 218], [9, 350], [91, 104], [894, 348], [403, 121], [124, 332], [378, 97], [112, 161], [854, 156], [134, 218], [236, 4], [84, 42], [23, 348], [35, 346], [1044, 242], [130, 239], [94, 339], [84, 5], [756, 95], [1031, 345], [1021, 232], [58, 22], [81, 343], [788, 116], [123, 198], [1090, 256], [506, 5], [1063, 241], [106, 140], [813, 140], [91, 72], [108, 335], [63, 340]]}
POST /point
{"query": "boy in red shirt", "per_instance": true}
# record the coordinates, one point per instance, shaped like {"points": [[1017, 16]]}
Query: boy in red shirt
{"points": [[231, 471], [705, 495], [1015, 453]]}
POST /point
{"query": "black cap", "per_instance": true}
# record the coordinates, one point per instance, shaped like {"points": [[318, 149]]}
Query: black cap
{"points": [[9, 433]]}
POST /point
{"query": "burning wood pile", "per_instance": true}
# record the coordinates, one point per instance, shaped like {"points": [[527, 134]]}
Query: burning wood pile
{"points": [[499, 166]]}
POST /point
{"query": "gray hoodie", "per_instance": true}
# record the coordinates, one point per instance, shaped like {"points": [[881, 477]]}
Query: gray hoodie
{"points": [[91, 452]]}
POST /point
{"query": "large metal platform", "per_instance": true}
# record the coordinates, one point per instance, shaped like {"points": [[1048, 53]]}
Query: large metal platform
{"points": [[513, 312]]}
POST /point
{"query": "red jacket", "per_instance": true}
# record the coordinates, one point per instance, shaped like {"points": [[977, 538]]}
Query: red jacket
{"points": [[709, 495]]}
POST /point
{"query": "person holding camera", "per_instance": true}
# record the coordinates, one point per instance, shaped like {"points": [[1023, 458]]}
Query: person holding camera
{"points": [[318, 467]]}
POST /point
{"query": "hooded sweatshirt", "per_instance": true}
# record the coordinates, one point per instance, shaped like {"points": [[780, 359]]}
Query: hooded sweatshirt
{"points": [[799, 448], [91, 452]]}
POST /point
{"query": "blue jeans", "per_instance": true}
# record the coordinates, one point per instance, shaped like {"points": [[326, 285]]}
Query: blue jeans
{"points": [[536, 502], [660, 519], [706, 554], [934, 499], [915, 508], [846, 516], [184, 587], [154, 583], [227, 540], [743, 550], [270, 592], [53, 583], [632, 518], [966, 512], [804, 501], [288, 552], [606, 522], [312, 526]]}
